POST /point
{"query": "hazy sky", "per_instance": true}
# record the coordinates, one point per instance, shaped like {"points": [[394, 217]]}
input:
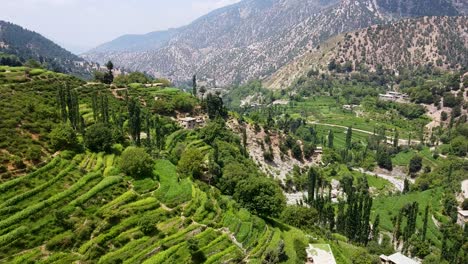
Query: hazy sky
{"points": [[82, 24]]}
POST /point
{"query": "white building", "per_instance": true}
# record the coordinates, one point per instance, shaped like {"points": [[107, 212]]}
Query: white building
{"points": [[397, 258], [462, 217]]}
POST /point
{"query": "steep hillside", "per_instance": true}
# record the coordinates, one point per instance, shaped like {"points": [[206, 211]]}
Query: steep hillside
{"points": [[253, 38], [429, 41], [27, 45], [86, 204]]}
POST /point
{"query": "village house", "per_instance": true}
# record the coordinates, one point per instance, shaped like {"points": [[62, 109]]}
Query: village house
{"points": [[188, 122], [393, 96], [191, 122], [462, 217], [397, 258]]}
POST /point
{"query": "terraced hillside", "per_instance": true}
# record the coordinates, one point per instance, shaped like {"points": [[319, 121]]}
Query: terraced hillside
{"points": [[76, 209], [78, 205]]}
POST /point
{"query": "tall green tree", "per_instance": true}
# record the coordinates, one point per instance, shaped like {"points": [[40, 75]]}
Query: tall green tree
{"points": [[375, 227], [134, 113], [349, 136], [108, 77], [194, 85], [425, 221], [396, 139], [330, 138], [312, 176]]}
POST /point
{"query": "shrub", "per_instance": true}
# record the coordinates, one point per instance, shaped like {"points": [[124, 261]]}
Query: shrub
{"points": [[190, 163], [136, 162], [415, 164], [61, 241], [260, 195], [63, 137], [98, 138]]}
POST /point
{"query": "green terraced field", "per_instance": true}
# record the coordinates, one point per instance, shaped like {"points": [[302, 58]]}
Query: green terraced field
{"points": [[69, 211]]}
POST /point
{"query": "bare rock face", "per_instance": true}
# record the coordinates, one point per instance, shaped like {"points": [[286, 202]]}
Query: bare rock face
{"points": [[254, 38]]}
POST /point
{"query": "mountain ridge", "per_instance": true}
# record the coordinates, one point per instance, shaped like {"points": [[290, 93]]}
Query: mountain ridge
{"points": [[253, 38], [412, 45], [27, 45]]}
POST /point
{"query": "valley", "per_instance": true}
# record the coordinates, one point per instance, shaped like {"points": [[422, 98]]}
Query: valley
{"points": [[265, 132]]}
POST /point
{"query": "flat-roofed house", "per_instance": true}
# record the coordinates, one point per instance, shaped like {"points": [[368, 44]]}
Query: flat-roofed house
{"points": [[462, 217], [397, 258], [188, 122]]}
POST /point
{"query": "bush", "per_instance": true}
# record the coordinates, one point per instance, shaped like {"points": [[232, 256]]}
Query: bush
{"points": [[190, 163], [415, 164], [61, 241], [147, 225], [63, 137], [98, 138], [299, 216], [136, 162], [260, 195]]}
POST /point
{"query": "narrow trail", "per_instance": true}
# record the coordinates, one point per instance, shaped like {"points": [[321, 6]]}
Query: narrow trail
{"points": [[403, 142]]}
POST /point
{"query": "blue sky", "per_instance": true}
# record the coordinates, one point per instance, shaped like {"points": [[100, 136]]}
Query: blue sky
{"points": [[79, 25]]}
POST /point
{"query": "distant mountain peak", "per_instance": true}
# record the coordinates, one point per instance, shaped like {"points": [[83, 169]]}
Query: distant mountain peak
{"points": [[254, 38]]}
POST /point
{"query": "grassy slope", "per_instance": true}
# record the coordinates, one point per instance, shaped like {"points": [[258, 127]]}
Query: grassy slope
{"points": [[389, 207]]}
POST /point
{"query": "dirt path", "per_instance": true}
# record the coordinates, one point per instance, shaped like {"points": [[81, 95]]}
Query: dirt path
{"points": [[397, 181], [403, 142]]}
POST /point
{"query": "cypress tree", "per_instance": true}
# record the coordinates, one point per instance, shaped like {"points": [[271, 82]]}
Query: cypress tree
{"points": [[396, 139], [95, 107], [135, 121], [349, 136], [426, 216], [375, 227], [312, 175], [194, 85], [330, 138]]}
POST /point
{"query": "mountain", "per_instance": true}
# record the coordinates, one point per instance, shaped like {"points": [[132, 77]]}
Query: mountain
{"points": [[26, 45], [427, 41], [254, 38], [153, 40]]}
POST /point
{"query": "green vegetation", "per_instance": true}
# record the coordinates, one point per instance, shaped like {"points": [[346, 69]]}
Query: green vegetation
{"points": [[102, 173]]}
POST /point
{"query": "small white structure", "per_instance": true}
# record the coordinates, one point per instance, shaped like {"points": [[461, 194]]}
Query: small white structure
{"points": [[320, 254], [397, 258], [462, 218], [349, 107], [393, 96], [318, 150], [188, 122]]}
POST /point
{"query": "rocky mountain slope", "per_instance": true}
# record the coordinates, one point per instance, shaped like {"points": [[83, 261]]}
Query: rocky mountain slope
{"points": [[254, 38], [426, 41], [26, 45]]}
